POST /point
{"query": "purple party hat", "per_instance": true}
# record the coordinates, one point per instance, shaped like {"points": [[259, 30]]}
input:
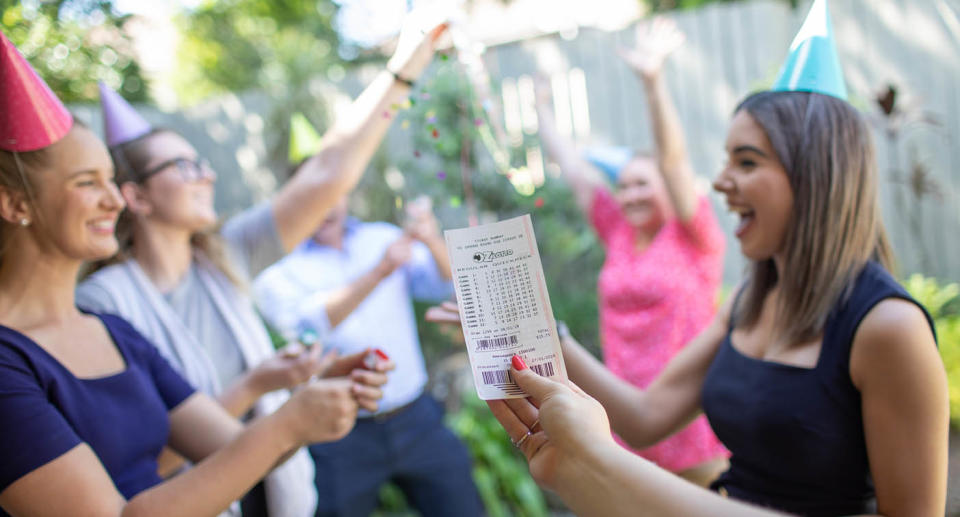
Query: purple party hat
{"points": [[121, 123]]}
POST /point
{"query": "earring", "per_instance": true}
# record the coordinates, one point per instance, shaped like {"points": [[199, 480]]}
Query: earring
{"points": [[24, 222]]}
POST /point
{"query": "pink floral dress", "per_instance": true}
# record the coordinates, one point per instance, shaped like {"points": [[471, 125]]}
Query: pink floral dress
{"points": [[653, 302]]}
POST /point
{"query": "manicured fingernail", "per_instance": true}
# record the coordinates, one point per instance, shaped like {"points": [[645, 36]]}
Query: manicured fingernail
{"points": [[518, 363], [381, 354]]}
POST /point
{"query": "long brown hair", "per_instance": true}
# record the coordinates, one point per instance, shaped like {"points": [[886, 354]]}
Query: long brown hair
{"points": [[835, 228], [130, 159]]}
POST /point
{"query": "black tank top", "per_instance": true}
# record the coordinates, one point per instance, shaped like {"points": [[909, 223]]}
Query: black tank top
{"points": [[796, 434]]}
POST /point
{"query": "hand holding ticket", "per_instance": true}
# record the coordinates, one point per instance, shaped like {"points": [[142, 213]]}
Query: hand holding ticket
{"points": [[503, 303]]}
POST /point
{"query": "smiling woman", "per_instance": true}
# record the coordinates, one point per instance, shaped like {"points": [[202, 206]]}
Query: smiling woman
{"points": [[182, 280], [86, 402], [79, 190], [820, 375]]}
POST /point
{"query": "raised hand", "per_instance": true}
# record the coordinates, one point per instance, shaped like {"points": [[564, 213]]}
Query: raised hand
{"points": [[655, 41], [420, 223], [396, 255], [415, 47]]}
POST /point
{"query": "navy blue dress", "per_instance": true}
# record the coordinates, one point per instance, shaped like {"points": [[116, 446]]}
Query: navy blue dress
{"points": [[796, 434], [45, 411]]}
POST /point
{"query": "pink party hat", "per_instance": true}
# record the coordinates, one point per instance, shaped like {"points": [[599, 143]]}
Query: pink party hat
{"points": [[121, 123], [31, 116]]}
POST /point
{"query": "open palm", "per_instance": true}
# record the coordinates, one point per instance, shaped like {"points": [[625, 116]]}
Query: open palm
{"points": [[654, 42]]}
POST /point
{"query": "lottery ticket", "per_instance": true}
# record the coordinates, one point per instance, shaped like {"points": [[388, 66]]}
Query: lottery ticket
{"points": [[504, 306]]}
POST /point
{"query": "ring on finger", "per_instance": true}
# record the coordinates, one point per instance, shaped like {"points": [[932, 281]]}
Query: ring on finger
{"points": [[533, 427], [519, 443]]}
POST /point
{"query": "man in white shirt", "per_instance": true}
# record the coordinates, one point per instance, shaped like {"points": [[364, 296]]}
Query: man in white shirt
{"points": [[352, 284]]}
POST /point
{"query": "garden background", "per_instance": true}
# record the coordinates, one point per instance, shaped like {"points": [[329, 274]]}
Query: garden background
{"points": [[235, 71]]}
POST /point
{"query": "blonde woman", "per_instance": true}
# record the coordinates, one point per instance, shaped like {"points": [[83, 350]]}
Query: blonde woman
{"points": [[185, 286], [86, 402]]}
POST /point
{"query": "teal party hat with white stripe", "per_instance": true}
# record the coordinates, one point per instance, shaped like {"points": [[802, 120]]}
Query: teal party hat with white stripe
{"points": [[813, 65]]}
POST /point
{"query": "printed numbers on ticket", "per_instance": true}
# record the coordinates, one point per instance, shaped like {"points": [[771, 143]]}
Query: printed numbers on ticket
{"points": [[504, 306]]}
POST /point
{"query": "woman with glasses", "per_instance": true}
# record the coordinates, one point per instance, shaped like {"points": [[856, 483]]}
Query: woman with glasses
{"points": [[183, 283], [86, 402]]}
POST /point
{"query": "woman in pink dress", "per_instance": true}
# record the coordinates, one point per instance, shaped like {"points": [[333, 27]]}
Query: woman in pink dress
{"points": [[664, 251]]}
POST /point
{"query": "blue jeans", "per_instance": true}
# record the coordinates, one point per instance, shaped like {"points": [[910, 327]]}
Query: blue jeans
{"points": [[411, 448]]}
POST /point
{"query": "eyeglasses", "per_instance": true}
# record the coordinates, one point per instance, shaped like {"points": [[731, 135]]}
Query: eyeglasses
{"points": [[190, 170]]}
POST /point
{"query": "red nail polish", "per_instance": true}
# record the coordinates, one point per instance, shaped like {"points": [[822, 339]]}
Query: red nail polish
{"points": [[518, 363], [383, 355]]}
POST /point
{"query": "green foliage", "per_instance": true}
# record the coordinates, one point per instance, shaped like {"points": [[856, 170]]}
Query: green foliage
{"points": [[446, 103], [499, 471], [668, 5], [74, 44], [943, 303], [238, 45]]}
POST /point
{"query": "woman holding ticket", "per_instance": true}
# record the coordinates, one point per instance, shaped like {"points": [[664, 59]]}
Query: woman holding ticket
{"points": [[820, 375], [664, 249]]}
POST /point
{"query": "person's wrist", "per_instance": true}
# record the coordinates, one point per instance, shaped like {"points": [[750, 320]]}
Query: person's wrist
{"points": [[649, 76], [384, 269], [253, 386], [403, 73], [400, 78], [285, 424], [588, 458]]}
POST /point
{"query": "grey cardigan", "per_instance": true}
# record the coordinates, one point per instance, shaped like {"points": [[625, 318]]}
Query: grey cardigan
{"points": [[125, 290]]}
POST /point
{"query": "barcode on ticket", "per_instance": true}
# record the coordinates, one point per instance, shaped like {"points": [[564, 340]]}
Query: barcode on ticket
{"points": [[496, 377], [497, 343]]}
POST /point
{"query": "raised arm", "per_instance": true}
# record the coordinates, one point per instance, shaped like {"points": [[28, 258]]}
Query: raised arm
{"points": [[339, 304], [583, 178], [422, 225], [655, 41], [325, 178]]}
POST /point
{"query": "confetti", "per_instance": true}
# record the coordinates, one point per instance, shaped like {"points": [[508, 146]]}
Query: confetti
{"points": [[416, 154], [442, 175], [454, 201], [444, 57], [435, 133], [411, 101], [395, 106], [425, 96], [386, 114], [405, 124], [432, 120], [538, 203], [399, 202], [478, 122], [407, 103]]}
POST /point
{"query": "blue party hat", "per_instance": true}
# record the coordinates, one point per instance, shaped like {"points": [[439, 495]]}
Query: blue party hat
{"points": [[813, 65], [610, 160]]}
